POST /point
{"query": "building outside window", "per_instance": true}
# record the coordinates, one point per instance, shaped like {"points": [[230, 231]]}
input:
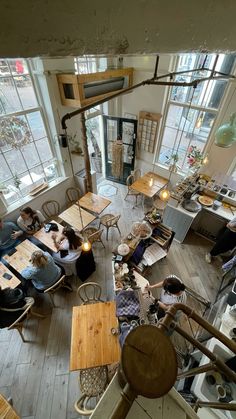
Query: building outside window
{"points": [[26, 156], [190, 113]]}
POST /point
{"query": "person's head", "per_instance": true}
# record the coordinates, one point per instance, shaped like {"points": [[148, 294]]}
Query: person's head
{"points": [[173, 284], [38, 259], [73, 239], [27, 213]]}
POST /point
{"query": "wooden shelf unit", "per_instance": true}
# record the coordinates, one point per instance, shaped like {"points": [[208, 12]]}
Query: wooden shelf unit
{"points": [[72, 87]]}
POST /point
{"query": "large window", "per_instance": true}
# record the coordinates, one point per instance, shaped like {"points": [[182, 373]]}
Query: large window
{"points": [[190, 113], [26, 157]]}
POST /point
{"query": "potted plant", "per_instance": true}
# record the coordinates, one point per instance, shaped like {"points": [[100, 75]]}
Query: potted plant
{"points": [[172, 161]]}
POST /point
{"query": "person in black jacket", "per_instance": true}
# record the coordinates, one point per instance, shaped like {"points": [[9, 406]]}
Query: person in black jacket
{"points": [[13, 299]]}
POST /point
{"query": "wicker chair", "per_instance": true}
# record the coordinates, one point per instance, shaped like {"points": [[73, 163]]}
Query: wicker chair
{"points": [[108, 221], [90, 293], [51, 210], [93, 235], [130, 179], [92, 382], [73, 195]]}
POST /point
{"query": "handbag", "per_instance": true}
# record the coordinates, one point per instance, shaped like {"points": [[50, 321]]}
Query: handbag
{"points": [[125, 328], [127, 304]]}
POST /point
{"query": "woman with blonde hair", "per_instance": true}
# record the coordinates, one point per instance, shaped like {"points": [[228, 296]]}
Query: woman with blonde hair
{"points": [[43, 272]]}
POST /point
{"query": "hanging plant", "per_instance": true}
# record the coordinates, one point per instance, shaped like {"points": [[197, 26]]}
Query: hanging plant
{"points": [[14, 131]]}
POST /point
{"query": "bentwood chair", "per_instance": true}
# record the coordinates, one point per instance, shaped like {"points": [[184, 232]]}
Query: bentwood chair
{"points": [[108, 221], [131, 192], [90, 293], [136, 174], [93, 235], [73, 195], [24, 313], [51, 210], [55, 287]]}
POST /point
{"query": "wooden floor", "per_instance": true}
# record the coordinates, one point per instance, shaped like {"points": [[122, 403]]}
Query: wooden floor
{"points": [[36, 374]]}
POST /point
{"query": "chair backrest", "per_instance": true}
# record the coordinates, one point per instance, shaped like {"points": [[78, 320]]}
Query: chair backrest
{"points": [[26, 309], [112, 221], [136, 174], [51, 208], [73, 195], [90, 293], [93, 234], [55, 286], [129, 180]]}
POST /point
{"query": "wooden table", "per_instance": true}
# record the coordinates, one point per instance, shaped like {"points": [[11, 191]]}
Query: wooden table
{"points": [[72, 216], [6, 410], [21, 258], [149, 184], [46, 238], [92, 343], [94, 203], [7, 283]]}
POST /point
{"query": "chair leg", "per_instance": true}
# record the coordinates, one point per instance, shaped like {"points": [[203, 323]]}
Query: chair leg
{"points": [[19, 328], [118, 229], [52, 300], [102, 243], [107, 233]]}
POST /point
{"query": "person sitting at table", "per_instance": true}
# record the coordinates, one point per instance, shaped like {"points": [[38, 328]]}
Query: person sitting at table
{"points": [[13, 299], [43, 272], [9, 236], [69, 249], [30, 220], [173, 291]]}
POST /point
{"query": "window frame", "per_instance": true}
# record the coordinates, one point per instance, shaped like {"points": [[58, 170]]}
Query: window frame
{"points": [[47, 135], [190, 106]]}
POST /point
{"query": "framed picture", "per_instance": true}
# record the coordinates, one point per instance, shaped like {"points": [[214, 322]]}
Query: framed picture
{"points": [[130, 115]]}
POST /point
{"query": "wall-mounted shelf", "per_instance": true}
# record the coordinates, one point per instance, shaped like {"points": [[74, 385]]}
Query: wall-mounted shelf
{"points": [[84, 89]]}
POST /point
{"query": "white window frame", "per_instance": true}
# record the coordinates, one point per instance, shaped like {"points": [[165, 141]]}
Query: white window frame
{"points": [[39, 108]]}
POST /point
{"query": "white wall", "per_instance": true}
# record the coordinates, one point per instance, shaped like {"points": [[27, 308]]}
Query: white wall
{"points": [[58, 28]]}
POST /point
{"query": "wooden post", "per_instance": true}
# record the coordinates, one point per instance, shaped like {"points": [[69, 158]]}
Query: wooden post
{"points": [[89, 186]]}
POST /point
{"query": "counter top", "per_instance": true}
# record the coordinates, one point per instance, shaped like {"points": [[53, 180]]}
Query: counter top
{"points": [[221, 212]]}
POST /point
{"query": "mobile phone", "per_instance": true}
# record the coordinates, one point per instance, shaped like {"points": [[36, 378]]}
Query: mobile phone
{"points": [[11, 252], [7, 276]]}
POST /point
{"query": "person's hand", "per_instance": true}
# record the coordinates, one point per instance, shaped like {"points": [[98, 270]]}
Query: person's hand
{"points": [[16, 234], [54, 236], [148, 287]]}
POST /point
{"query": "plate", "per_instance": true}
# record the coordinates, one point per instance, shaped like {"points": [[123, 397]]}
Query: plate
{"points": [[205, 200], [123, 249]]}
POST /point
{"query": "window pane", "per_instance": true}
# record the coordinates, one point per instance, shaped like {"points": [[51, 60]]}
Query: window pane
{"points": [[50, 170], [12, 194], [4, 68], [18, 66], [4, 170], [26, 91], [9, 100], [15, 161], [30, 155], [36, 125], [38, 175], [44, 149]]}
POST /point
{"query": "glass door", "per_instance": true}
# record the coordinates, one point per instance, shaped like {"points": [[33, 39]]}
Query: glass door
{"points": [[119, 140]]}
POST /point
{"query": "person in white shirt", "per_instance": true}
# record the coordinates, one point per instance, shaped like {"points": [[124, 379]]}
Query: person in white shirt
{"points": [[225, 242], [30, 220], [69, 249], [173, 291]]}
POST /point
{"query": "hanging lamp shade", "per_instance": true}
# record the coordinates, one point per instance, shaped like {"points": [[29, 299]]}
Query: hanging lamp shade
{"points": [[225, 135]]}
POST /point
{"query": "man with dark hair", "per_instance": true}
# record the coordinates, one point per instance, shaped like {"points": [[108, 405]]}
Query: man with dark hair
{"points": [[9, 236]]}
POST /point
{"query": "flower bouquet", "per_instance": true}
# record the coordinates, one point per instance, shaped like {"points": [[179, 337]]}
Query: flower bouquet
{"points": [[194, 157]]}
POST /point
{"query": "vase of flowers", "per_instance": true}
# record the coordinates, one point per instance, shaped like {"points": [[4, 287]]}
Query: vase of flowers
{"points": [[194, 158]]}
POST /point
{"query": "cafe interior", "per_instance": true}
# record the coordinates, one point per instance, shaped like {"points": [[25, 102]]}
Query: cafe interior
{"points": [[130, 146]]}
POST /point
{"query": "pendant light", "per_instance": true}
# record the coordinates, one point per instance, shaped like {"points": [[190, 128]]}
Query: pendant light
{"points": [[225, 135], [164, 194]]}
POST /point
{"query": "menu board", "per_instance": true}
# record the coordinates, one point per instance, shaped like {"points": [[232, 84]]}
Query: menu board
{"points": [[147, 130]]}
